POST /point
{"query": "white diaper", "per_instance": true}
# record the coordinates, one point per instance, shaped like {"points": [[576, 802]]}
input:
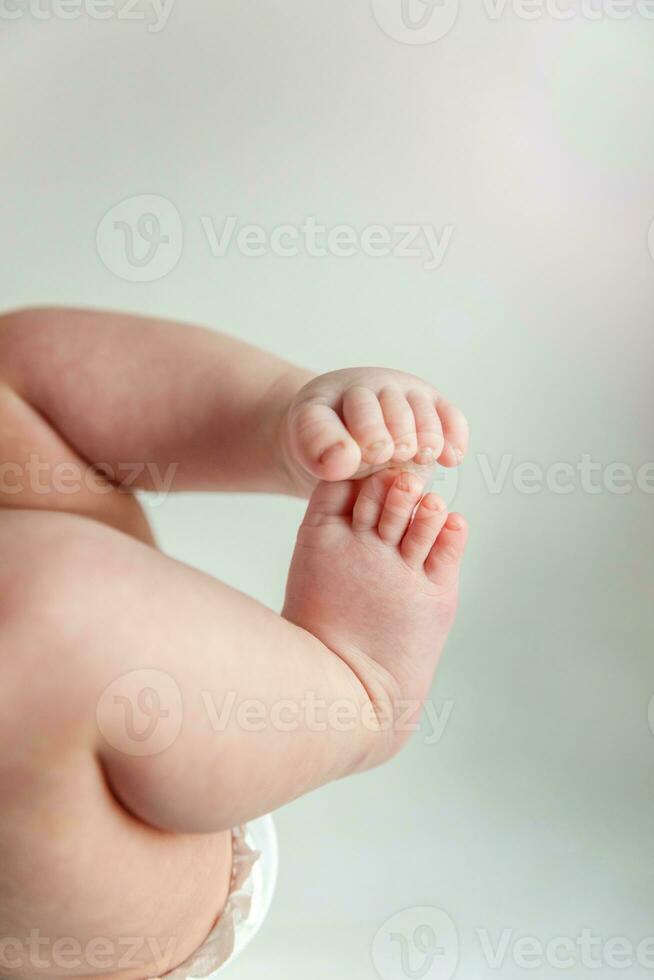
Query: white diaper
{"points": [[254, 874]]}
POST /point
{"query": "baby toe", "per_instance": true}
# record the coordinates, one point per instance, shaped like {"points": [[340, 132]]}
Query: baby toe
{"points": [[427, 522], [444, 560], [429, 430], [455, 432], [365, 421], [401, 501], [371, 499], [400, 422], [330, 501], [323, 444]]}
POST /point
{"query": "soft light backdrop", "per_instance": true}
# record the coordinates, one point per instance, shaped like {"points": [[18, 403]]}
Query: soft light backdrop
{"points": [[533, 141]]}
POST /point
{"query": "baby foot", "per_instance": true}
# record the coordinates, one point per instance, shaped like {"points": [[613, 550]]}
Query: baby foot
{"points": [[375, 577], [350, 423]]}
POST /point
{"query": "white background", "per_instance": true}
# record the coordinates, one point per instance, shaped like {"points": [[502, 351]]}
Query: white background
{"points": [[535, 141]]}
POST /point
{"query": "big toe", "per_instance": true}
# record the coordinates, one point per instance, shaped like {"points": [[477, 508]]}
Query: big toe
{"points": [[331, 501], [323, 445], [371, 499]]}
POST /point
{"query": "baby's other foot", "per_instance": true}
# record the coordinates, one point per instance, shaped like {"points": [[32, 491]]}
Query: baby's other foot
{"points": [[375, 577], [351, 423]]}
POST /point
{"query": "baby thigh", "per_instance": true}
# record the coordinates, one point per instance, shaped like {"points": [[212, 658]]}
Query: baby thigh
{"points": [[86, 889]]}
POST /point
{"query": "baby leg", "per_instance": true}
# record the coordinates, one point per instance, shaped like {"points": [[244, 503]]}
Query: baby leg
{"points": [[118, 789], [40, 471]]}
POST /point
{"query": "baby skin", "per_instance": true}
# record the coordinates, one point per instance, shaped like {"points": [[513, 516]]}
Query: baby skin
{"points": [[115, 851]]}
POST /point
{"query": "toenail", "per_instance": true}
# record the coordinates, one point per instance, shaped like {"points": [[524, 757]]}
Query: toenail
{"points": [[426, 453], [403, 447], [377, 448], [332, 452], [433, 503]]}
